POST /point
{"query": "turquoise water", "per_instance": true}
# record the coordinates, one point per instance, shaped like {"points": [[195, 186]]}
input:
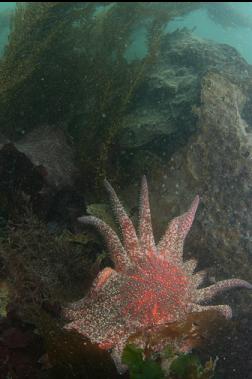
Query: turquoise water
{"points": [[5, 9], [7, 5], [203, 26]]}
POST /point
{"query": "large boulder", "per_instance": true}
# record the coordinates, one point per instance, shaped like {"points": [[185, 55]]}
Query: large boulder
{"points": [[49, 146], [40, 166], [161, 118]]}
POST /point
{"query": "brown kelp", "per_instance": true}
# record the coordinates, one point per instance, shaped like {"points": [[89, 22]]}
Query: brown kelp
{"points": [[67, 63]]}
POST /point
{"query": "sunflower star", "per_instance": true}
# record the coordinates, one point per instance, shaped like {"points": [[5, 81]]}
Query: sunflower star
{"points": [[150, 284]]}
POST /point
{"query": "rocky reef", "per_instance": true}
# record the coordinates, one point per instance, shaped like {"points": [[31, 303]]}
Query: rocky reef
{"points": [[181, 115]]}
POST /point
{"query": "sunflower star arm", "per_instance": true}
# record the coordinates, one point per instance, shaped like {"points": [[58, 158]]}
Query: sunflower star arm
{"points": [[130, 239], [117, 352], [101, 279], [198, 278], [77, 310], [205, 294], [190, 266], [74, 313], [145, 226], [171, 245], [118, 253], [224, 310]]}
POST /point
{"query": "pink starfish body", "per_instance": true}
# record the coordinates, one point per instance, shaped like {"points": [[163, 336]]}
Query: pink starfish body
{"points": [[150, 284]]}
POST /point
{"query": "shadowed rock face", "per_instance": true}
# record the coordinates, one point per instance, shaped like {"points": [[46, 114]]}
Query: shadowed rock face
{"points": [[18, 175]]}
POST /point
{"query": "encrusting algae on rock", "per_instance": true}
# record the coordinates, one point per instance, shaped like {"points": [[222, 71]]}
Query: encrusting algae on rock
{"points": [[150, 284]]}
